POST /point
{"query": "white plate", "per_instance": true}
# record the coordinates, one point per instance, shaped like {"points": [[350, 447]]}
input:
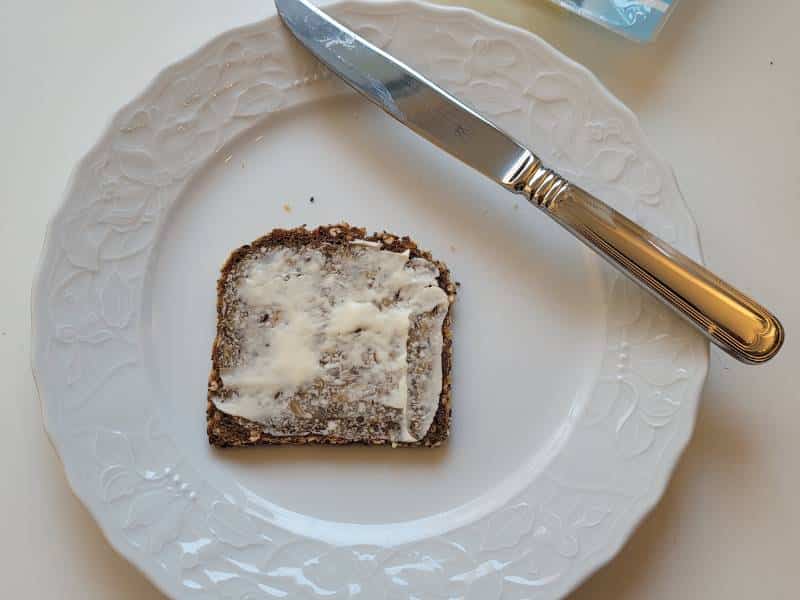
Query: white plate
{"points": [[573, 393]]}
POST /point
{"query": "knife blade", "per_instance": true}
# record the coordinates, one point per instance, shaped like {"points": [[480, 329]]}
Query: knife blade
{"points": [[404, 94], [727, 317]]}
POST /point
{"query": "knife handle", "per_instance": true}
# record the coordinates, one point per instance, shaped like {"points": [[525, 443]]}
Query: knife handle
{"points": [[726, 316]]}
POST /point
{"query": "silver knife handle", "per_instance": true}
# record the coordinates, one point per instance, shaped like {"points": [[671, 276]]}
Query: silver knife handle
{"points": [[730, 319]]}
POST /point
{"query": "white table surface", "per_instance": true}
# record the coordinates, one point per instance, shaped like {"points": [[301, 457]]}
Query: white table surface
{"points": [[718, 94]]}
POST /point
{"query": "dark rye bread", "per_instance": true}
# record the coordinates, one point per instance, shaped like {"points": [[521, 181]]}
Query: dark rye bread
{"points": [[225, 430]]}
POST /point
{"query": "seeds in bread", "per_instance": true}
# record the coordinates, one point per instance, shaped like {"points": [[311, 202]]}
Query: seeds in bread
{"points": [[364, 357]]}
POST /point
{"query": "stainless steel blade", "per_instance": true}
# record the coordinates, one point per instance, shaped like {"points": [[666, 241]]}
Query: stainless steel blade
{"points": [[406, 95]]}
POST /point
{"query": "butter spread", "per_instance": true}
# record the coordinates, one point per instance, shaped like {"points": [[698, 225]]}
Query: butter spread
{"points": [[336, 341]]}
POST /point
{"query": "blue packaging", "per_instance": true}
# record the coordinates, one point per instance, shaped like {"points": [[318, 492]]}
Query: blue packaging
{"points": [[639, 20]]}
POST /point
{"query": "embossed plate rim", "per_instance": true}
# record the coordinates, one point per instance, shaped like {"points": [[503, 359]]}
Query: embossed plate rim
{"points": [[622, 528]]}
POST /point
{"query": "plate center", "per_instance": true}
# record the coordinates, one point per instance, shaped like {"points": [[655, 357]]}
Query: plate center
{"points": [[528, 329]]}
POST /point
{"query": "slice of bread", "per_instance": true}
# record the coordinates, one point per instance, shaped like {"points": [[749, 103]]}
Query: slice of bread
{"points": [[330, 336]]}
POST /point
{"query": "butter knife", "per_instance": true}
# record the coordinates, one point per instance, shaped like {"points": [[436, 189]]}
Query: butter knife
{"points": [[726, 316]]}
